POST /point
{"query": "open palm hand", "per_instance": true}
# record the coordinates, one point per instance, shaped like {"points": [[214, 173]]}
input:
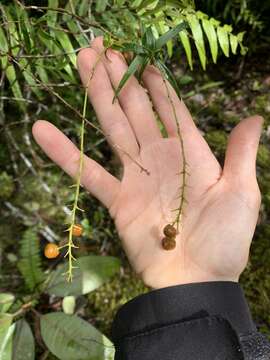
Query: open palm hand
{"points": [[222, 204]]}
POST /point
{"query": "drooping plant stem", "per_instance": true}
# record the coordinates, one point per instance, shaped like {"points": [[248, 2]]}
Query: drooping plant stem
{"points": [[183, 183], [70, 245]]}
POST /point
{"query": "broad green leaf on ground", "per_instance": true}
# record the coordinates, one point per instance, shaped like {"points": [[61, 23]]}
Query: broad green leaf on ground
{"points": [[6, 300], [23, 342], [6, 333], [71, 338], [92, 272]]}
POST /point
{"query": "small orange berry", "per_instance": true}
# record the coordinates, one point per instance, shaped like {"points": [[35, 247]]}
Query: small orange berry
{"points": [[77, 230], [51, 251]]}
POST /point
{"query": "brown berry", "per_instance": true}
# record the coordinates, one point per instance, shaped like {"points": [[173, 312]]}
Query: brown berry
{"points": [[77, 230], [51, 251], [168, 243], [170, 231]]}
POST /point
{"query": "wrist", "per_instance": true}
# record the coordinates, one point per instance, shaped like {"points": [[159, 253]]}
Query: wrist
{"points": [[166, 279]]}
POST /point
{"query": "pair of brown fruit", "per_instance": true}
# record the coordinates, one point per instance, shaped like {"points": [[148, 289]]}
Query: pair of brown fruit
{"points": [[51, 251], [168, 242]]}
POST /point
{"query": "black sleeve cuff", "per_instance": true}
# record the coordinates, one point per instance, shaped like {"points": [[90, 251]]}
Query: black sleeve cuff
{"points": [[181, 303]]}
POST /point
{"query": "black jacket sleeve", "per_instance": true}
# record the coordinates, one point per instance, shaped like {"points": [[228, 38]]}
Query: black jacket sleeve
{"points": [[200, 321]]}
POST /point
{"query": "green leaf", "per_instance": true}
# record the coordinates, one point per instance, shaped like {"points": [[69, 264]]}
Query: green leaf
{"points": [[51, 14], [198, 38], [133, 67], [80, 38], [101, 5], [186, 44], [148, 39], [163, 29], [211, 34], [65, 42], [29, 78], [91, 273], [223, 39], [6, 300], [30, 262], [71, 338], [234, 43], [23, 342], [160, 42], [6, 333], [168, 76]]}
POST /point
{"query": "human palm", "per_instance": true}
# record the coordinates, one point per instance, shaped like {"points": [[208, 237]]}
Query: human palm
{"points": [[222, 204]]}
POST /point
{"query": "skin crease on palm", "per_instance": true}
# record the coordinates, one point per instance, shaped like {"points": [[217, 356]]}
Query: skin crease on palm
{"points": [[223, 204]]}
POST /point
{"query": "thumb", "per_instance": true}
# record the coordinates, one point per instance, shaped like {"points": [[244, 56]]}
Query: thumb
{"points": [[240, 159]]}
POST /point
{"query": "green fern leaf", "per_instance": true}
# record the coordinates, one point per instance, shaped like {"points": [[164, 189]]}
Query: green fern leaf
{"points": [[211, 34], [186, 44], [197, 33], [234, 43], [223, 38], [30, 262]]}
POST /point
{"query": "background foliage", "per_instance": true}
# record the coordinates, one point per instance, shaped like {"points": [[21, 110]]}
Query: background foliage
{"points": [[38, 79]]}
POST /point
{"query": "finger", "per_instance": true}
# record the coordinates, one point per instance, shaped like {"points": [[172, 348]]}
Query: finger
{"points": [[154, 82], [64, 153], [240, 160], [133, 98], [111, 117]]}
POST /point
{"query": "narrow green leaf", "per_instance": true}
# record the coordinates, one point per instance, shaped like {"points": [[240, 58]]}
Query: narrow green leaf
{"points": [[30, 261], [91, 273], [101, 5], [160, 42], [41, 72], [23, 342], [133, 67], [6, 300], [163, 29], [186, 44], [167, 74], [234, 43], [52, 14], [83, 7], [210, 32], [64, 40], [198, 38], [223, 39], [71, 338], [148, 39], [80, 38], [27, 73]]}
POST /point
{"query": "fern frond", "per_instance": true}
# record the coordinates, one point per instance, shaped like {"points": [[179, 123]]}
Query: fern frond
{"points": [[30, 261]]}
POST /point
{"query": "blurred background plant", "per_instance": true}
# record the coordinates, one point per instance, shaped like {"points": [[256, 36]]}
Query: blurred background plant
{"points": [[38, 45]]}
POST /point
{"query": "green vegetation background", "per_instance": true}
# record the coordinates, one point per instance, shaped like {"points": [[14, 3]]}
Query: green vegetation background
{"points": [[34, 192]]}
